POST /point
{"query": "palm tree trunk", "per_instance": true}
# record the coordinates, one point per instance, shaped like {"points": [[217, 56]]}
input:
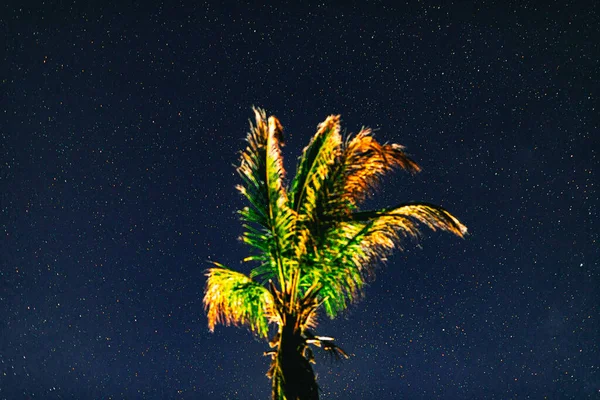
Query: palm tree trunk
{"points": [[293, 376]]}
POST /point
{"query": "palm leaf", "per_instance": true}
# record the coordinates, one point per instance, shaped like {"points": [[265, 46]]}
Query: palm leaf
{"points": [[315, 166], [362, 164], [407, 216], [333, 267], [366, 161], [262, 172], [354, 245], [232, 298]]}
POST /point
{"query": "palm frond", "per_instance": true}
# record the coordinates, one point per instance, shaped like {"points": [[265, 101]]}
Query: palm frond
{"points": [[366, 161], [232, 298], [314, 167], [387, 229], [359, 170], [261, 170], [354, 245], [333, 266], [262, 173], [430, 215]]}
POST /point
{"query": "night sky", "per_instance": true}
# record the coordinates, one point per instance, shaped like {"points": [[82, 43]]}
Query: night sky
{"points": [[120, 127]]}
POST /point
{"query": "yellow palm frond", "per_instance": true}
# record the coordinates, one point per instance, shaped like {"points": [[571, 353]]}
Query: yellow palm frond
{"points": [[232, 298], [408, 214], [387, 230], [355, 244]]}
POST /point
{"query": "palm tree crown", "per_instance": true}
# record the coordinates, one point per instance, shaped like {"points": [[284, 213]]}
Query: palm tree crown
{"points": [[314, 247]]}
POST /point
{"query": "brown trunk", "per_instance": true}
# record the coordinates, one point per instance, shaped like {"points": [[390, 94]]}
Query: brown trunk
{"points": [[293, 376]]}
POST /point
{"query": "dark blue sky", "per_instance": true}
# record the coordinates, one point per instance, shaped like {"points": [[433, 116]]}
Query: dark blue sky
{"points": [[120, 126]]}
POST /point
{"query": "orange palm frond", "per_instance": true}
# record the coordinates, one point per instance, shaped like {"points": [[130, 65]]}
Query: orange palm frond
{"points": [[366, 161]]}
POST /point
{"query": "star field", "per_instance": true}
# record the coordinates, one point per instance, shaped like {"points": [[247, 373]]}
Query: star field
{"points": [[119, 129]]}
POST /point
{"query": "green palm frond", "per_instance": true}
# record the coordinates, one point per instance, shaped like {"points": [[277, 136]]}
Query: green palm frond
{"points": [[262, 172], [315, 166], [333, 267], [232, 298]]}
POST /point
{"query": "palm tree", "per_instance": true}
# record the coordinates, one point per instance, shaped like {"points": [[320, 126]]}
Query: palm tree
{"points": [[314, 248]]}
